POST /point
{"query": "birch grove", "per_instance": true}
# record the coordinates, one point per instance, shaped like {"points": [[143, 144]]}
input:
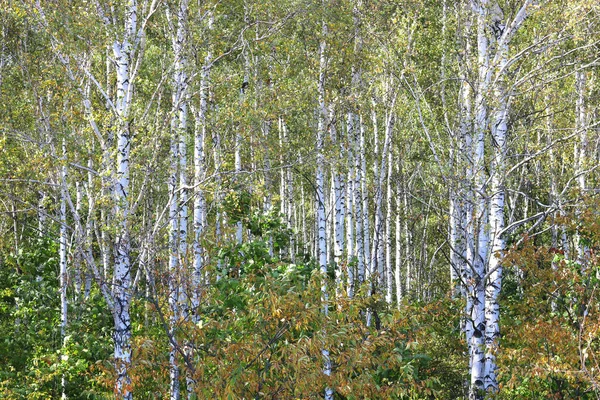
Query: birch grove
{"points": [[299, 199]]}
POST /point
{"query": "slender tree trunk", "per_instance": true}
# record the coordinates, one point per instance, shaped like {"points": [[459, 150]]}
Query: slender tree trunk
{"points": [[178, 188], [350, 202], [466, 193], [180, 126], [89, 228], [398, 238], [303, 213], [358, 205], [494, 281], [338, 202], [321, 218], [379, 239], [77, 247], [218, 195], [365, 234], [122, 274], [580, 151], [388, 236], [63, 278], [407, 241], [289, 195], [173, 267], [477, 285], [199, 175]]}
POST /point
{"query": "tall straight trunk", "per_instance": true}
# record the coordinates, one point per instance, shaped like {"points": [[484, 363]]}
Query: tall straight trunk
{"points": [[329, 217], [122, 52], [408, 261], [173, 265], [180, 104], [219, 218], [282, 174], [372, 262], [466, 254], [78, 242], [375, 262], [289, 195], [303, 218], [183, 215], [338, 204], [321, 218], [494, 281], [364, 200], [477, 286], [350, 202], [199, 175], [398, 238], [89, 227], [63, 277], [389, 270], [284, 201], [286, 189], [379, 239], [462, 206], [358, 206], [178, 188], [496, 224]]}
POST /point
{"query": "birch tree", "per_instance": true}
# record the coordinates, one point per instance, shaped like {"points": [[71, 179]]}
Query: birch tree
{"points": [[320, 198]]}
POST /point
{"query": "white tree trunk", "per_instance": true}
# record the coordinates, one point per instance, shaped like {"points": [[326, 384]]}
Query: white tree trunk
{"points": [[219, 219], [289, 195], [365, 234], [321, 218], [63, 278], [178, 293], [78, 243], [338, 202], [173, 264], [199, 175], [122, 274], [477, 285], [408, 261], [496, 213], [379, 239], [358, 206], [89, 228], [389, 270], [398, 255], [494, 281], [350, 201]]}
